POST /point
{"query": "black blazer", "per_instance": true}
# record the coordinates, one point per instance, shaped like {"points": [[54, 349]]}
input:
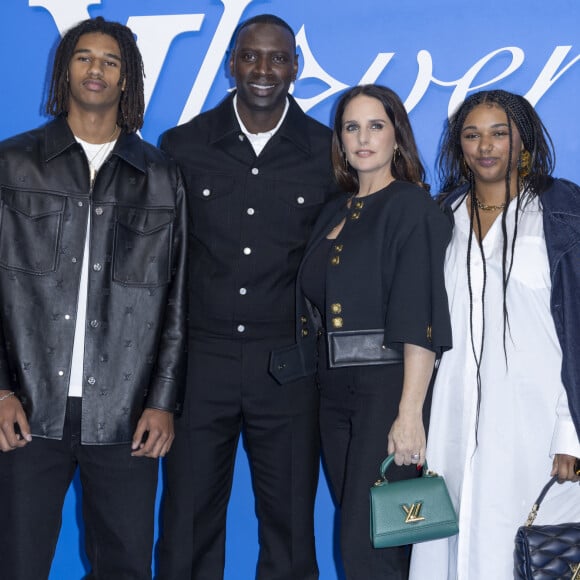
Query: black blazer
{"points": [[385, 270]]}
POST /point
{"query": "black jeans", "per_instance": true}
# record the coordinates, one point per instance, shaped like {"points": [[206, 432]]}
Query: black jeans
{"points": [[118, 505]]}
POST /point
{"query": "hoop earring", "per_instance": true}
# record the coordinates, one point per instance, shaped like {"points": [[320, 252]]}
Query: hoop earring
{"points": [[524, 164], [396, 154]]}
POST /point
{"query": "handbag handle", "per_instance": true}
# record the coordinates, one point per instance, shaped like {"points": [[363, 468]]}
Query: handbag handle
{"points": [[536, 506], [387, 462]]}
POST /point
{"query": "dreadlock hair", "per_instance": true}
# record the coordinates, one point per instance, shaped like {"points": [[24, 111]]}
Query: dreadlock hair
{"points": [[405, 165], [533, 180], [132, 103], [263, 19]]}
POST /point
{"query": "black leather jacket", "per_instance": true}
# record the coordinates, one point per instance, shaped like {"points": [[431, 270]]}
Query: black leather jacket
{"points": [[135, 319]]}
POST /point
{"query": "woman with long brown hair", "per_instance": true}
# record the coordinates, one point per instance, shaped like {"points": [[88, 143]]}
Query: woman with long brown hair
{"points": [[373, 275]]}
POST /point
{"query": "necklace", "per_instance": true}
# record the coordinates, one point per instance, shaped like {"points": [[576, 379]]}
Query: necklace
{"points": [[484, 207], [97, 159]]}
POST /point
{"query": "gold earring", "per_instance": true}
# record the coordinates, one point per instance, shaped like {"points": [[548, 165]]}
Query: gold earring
{"points": [[524, 164], [396, 154], [465, 170]]}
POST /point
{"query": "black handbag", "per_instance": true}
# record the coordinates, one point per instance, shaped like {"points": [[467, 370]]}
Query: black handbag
{"points": [[549, 551], [347, 348], [411, 510]]}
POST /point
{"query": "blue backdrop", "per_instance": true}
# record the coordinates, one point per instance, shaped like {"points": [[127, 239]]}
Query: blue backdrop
{"points": [[432, 53]]}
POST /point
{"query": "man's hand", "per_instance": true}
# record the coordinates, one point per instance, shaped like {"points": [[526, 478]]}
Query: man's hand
{"points": [[154, 434], [563, 467], [12, 414]]}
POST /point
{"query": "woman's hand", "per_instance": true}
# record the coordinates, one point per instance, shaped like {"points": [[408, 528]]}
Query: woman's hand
{"points": [[407, 435], [407, 439], [564, 467]]}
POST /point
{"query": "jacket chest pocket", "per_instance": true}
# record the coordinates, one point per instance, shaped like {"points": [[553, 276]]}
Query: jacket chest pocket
{"points": [[297, 207], [142, 253], [30, 229], [212, 205]]}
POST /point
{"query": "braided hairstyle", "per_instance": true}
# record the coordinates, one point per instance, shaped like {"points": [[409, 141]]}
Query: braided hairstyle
{"points": [[534, 136], [405, 166], [534, 177], [132, 103]]}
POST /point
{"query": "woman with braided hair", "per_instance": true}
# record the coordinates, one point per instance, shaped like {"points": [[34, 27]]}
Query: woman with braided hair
{"points": [[506, 401]]}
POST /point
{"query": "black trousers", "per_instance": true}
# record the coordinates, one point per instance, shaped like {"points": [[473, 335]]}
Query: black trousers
{"points": [[118, 505], [357, 408], [229, 391]]}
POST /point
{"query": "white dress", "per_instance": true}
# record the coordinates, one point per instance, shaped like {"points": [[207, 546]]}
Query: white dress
{"points": [[523, 419]]}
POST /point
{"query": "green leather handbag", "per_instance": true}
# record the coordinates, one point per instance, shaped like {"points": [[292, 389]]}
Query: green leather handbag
{"points": [[410, 511]]}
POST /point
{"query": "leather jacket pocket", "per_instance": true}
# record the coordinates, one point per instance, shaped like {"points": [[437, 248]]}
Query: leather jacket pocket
{"points": [[30, 229], [142, 253]]}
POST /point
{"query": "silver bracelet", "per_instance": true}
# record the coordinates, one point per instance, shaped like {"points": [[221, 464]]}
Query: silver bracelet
{"points": [[7, 395]]}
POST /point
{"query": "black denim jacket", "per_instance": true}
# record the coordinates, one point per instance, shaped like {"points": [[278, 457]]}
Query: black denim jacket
{"points": [[250, 218]]}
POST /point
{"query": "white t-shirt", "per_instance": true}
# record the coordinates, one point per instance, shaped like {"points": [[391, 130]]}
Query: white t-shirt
{"points": [[96, 156]]}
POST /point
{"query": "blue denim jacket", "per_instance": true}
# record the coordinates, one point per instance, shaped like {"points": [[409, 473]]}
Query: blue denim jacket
{"points": [[561, 206], [561, 216]]}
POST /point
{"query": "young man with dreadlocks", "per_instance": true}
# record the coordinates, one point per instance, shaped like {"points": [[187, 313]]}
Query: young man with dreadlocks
{"points": [[506, 401], [92, 324]]}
